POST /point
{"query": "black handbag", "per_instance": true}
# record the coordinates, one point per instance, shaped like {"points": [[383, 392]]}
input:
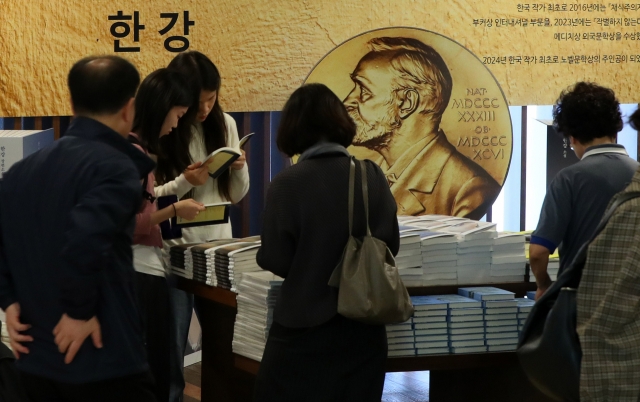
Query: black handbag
{"points": [[549, 348]]}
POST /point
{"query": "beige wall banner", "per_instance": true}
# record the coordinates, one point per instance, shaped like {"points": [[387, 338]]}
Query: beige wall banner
{"points": [[266, 48]]}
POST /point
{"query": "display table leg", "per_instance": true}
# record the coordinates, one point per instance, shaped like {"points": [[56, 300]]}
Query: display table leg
{"points": [[221, 380]]}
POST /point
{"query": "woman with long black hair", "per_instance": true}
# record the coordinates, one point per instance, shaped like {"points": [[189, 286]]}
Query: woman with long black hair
{"points": [[161, 102], [201, 131]]}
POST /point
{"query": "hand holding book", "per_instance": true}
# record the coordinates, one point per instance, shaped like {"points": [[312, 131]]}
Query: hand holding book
{"points": [[197, 174], [222, 158]]}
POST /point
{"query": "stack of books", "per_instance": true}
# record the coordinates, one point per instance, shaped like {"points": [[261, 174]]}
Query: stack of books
{"points": [[181, 261], [202, 256], [257, 294], [475, 240], [465, 323], [409, 258], [524, 308], [233, 260], [430, 325], [508, 260], [439, 258], [500, 316], [401, 340]]}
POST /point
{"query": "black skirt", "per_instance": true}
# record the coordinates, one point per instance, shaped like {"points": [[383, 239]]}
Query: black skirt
{"points": [[340, 360]]}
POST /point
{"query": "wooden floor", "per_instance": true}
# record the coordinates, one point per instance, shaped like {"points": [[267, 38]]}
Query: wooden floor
{"points": [[398, 387]]}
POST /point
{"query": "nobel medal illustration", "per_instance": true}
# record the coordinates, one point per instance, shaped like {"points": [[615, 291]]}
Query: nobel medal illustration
{"points": [[429, 113]]}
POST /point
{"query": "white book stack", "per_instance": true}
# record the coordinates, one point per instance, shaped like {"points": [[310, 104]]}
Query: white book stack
{"points": [[500, 316], [430, 325], [524, 308], [409, 259], [553, 267], [475, 240], [257, 294], [401, 340], [234, 260], [439, 258], [508, 261], [465, 323]]}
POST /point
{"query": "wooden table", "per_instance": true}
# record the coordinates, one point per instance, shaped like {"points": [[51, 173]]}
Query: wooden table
{"points": [[495, 377]]}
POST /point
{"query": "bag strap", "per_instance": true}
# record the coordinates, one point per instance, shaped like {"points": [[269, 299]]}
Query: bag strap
{"points": [[352, 175], [365, 194], [145, 194]]}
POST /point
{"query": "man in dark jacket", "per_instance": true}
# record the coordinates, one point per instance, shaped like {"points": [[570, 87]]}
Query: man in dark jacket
{"points": [[67, 215]]}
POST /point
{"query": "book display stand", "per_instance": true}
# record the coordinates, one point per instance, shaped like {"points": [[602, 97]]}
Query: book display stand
{"points": [[495, 377]]}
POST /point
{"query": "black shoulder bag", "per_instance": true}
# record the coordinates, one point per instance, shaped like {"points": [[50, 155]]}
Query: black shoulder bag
{"points": [[549, 349]]}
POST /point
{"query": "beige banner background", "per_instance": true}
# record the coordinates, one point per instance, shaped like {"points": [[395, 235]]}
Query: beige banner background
{"points": [[266, 48]]}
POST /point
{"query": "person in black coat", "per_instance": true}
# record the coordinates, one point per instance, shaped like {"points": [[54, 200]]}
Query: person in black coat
{"points": [[67, 214], [312, 352]]}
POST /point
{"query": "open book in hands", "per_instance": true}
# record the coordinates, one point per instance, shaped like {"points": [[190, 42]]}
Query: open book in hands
{"points": [[220, 159], [213, 214]]}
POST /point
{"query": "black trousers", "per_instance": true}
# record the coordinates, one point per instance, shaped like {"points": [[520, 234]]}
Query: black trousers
{"points": [[153, 302], [341, 360], [137, 388]]}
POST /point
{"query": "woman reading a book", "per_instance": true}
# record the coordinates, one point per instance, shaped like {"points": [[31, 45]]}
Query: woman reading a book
{"points": [[312, 352], [204, 129], [162, 100]]}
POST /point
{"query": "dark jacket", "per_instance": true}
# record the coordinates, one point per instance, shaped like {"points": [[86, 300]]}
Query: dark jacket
{"points": [[67, 215], [306, 228]]}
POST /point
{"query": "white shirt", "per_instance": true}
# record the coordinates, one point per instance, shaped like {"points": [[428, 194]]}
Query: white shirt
{"points": [[207, 193]]}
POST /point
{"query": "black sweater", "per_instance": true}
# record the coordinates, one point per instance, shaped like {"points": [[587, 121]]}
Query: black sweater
{"points": [[306, 228]]}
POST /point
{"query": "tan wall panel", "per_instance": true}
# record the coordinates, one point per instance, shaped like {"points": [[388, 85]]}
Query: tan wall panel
{"points": [[266, 48]]}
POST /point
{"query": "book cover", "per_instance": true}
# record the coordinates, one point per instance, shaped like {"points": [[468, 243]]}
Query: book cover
{"points": [[466, 324], [504, 328], [431, 325], [501, 310], [432, 351], [428, 303], [467, 337], [432, 338], [467, 343], [473, 349], [425, 345], [429, 332], [502, 335], [457, 301], [486, 293], [465, 318], [214, 214], [467, 331]]}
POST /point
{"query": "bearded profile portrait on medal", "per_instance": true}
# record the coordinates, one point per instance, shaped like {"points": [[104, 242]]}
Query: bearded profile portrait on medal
{"points": [[444, 148]]}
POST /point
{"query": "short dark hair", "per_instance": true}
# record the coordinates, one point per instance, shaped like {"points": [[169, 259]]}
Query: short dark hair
{"points": [[312, 114], [587, 111], [160, 92], [102, 85], [634, 120]]}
